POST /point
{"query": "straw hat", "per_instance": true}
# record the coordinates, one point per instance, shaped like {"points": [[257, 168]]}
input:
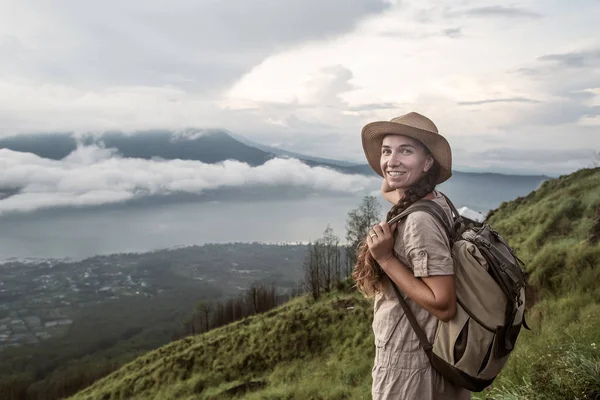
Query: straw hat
{"points": [[413, 125]]}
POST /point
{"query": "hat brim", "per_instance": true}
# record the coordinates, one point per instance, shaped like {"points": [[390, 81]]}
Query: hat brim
{"points": [[372, 136]]}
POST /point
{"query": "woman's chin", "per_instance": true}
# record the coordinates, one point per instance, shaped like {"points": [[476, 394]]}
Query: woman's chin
{"points": [[395, 184]]}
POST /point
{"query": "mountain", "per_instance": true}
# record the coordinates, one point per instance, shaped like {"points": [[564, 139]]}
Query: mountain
{"points": [[289, 154], [208, 146], [325, 350]]}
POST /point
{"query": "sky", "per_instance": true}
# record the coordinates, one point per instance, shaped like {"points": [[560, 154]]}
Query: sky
{"points": [[513, 86]]}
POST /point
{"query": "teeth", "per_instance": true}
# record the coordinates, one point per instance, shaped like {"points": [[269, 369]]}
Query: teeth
{"points": [[393, 173]]}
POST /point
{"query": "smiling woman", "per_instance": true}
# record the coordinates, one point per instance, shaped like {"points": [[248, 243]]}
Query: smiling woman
{"points": [[412, 157], [405, 161]]}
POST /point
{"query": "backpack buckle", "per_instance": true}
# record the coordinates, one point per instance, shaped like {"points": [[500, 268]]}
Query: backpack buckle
{"points": [[484, 242]]}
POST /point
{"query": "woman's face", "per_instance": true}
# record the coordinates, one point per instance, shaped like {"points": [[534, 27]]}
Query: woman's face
{"points": [[404, 161]]}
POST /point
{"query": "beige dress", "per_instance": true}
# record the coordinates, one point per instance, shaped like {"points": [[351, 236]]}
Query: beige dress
{"points": [[402, 369]]}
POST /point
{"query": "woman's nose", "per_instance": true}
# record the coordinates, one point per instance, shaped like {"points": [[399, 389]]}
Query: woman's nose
{"points": [[394, 160]]}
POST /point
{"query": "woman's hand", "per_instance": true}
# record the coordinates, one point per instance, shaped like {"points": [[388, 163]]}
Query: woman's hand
{"points": [[380, 240]]}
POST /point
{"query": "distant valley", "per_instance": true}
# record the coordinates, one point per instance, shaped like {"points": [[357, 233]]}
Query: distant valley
{"points": [[40, 300]]}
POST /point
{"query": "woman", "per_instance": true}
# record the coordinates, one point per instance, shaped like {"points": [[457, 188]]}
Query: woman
{"points": [[412, 157]]}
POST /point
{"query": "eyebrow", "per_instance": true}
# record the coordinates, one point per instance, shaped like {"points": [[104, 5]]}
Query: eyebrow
{"points": [[385, 146]]}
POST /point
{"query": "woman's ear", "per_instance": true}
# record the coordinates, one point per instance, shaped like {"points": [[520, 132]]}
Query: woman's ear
{"points": [[428, 163]]}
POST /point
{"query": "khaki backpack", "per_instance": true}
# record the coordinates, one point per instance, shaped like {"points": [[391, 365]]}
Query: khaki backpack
{"points": [[472, 348]]}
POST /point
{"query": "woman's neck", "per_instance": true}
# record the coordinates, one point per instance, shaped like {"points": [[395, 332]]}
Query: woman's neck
{"points": [[428, 196]]}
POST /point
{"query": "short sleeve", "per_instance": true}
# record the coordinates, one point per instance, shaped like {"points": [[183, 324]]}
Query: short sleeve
{"points": [[427, 246]]}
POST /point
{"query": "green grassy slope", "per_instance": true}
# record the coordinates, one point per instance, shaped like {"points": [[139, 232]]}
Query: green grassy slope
{"points": [[550, 229], [324, 350], [282, 351]]}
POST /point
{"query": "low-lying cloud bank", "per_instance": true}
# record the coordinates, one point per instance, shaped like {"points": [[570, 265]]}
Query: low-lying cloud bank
{"points": [[92, 176]]}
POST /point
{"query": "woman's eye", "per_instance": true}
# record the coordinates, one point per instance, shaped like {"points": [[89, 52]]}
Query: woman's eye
{"points": [[385, 151], [405, 151]]}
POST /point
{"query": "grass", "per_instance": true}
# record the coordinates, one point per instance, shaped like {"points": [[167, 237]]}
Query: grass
{"points": [[559, 358], [260, 348], [324, 349]]}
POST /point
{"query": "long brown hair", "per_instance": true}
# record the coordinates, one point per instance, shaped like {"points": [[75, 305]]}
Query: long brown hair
{"points": [[367, 273]]}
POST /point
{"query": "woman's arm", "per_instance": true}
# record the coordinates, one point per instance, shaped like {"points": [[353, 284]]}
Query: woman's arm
{"points": [[436, 294]]}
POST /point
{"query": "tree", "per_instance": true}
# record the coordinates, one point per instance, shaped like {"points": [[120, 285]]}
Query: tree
{"points": [[322, 265], [329, 248], [261, 298], [312, 278], [203, 311], [358, 223]]}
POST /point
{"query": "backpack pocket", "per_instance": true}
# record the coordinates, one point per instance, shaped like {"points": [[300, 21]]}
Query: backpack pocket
{"points": [[493, 365], [449, 334], [478, 349], [475, 287], [464, 343]]}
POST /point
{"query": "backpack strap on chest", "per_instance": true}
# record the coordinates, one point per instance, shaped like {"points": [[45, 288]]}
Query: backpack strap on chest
{"points": [[435, 210]]}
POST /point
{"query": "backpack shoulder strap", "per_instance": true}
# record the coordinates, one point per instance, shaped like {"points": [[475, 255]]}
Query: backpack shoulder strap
{"points": [[433, 209], [413, 322]]}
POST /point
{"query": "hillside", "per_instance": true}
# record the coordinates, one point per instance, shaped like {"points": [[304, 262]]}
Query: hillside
{"points": [[324, 350]]}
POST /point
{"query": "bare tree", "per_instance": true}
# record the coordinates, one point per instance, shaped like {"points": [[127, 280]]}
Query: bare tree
{"points": [[311, 271], [189, 327], [328, 247], [203, 311], [358, 223], [261, 298], [253, 298]]}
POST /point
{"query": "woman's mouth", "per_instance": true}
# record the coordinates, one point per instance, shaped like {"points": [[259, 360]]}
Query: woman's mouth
{"points": [[395, 174]]}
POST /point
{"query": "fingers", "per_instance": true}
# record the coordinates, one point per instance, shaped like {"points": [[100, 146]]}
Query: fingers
{"points": [[381, 231], [385, 228]]}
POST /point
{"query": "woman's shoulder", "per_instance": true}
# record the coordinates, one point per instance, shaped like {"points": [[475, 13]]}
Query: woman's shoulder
{"points": [[422, 222], [438, 198]]}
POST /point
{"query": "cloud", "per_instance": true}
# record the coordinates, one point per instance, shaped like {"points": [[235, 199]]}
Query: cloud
{"points": [[92, 176], [505, 100], [496, 12], [453, 32], [549, 65], [422, 34], [577, 59], [199, 45], [306, 75]]}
